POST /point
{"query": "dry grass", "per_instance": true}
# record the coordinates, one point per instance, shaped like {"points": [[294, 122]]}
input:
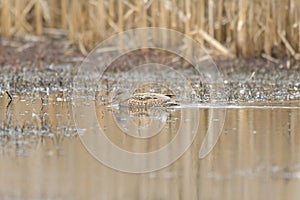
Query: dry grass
{"points": [[231, 27]]}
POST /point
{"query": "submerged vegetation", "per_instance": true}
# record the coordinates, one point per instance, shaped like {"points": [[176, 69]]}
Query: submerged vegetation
{"points": [[232, 28]]}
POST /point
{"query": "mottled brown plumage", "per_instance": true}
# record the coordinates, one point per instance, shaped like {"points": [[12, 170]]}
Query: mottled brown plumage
{"points": [[151, 100]]}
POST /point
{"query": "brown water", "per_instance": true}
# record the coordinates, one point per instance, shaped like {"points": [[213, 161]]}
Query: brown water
{"points": [[257, 156]]}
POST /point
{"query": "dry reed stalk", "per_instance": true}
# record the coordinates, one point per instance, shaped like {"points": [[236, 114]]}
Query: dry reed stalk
{"points": [[120, 22], [219, 20], [163, 21], [52, 13], [274, 28], [267, 27], [163, 14], [250, 27], [142, 13], [233, 25], [154, 10], [198, 13], [242, 28], [46, 13], [180, 15], [173, 18], [101, 15], [281, 19], [188, 16], [228, 22], [64, 13], [83, 33], [92, 26], [74, 20], [298, 23], [259, 33], [201, 17], [187, 31], [83, 37], [6, 18], [143, 21], [293, 31], [19, 7], [120, 16], [211, 17], [299, 35], [193, 20], [111, 8], [38, 17]]}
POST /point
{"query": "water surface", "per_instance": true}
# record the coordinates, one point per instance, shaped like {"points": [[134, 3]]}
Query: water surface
{"points": [[257, 155]]}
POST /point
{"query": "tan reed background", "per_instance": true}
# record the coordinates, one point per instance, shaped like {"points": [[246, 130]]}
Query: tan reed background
{"points": [[230, 27]]}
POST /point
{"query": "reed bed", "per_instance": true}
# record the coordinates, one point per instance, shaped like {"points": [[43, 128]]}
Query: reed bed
{"points": [[243, 28]]}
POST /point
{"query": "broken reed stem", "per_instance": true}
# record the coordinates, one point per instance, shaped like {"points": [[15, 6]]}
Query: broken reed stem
{"points": [[215, 43], [240, 27], [287, 44]]}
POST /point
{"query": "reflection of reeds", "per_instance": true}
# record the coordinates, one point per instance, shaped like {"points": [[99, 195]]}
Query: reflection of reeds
{"points": [[240, 27]]}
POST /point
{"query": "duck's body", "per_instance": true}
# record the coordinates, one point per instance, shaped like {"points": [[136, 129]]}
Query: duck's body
{"points": [[151, 100]]}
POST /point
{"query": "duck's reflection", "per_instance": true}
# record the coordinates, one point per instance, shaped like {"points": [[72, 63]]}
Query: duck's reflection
{"points": [[143, 122]]}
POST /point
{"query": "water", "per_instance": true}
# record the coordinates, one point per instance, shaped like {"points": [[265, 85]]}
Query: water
{"points": [[53, 144], [256, 156]]}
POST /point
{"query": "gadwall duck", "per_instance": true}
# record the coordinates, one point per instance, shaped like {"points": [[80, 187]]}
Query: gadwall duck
{"points": [[151, 100]]}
